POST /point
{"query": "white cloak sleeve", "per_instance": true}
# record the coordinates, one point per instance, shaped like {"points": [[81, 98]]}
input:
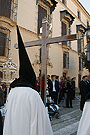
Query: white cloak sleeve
{"points": [[26, 114], [84, 124]]}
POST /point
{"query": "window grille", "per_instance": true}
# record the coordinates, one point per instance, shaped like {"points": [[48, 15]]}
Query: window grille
{"points": [[64, 2], [65, 59], [41, 14], [4, 41], [8, 8], [80, 64], [1, 74], [80, 44], [87, 23], [79, 79], [64, 32]]}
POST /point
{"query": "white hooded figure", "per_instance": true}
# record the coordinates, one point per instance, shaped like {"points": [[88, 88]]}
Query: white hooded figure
{"points": [[25, 111], [84, 124]]}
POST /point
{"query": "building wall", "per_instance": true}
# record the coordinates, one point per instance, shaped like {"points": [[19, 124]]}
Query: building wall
{"points": [[27, 18], [27, 14]]}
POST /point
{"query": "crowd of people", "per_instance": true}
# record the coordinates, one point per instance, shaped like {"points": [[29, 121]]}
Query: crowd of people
{"points": [[59, 90]]}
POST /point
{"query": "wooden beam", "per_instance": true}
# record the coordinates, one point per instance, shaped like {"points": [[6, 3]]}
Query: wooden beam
{"points": [[51, 40], [33, 43], [61, 39], [44, 63]]}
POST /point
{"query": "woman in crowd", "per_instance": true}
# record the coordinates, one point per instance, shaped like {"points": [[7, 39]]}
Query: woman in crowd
{"points": [[69, 93]]}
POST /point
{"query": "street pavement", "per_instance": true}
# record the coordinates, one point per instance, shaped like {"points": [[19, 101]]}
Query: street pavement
{"points": [[68, 121]]}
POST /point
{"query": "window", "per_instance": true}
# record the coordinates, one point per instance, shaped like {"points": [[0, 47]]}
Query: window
{"points": [[87, 23], [64, 2], [78, 14], [4, 41], [40, 54], [80, 43], [65, 59], [79, 79], [64, 75], [8, 8], [64, 32], [80, 64], [1, 74], [41, 14]]}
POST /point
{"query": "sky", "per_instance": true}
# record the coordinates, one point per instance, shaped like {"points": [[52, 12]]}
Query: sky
{"points": [[86, 4]]}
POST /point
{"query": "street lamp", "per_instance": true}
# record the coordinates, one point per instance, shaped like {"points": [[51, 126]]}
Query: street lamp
{"points": [[88, 43]]}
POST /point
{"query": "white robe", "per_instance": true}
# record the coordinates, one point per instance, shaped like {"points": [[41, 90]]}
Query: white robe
{"points": [[26, 113], [84, 124]]}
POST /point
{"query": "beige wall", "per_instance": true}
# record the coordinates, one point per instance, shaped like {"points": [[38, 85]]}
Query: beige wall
{"points": [[27, 14], [56, 55]]}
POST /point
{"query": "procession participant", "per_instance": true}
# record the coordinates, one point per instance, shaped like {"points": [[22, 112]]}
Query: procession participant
{"points": [[84, 124], [25, 111]]}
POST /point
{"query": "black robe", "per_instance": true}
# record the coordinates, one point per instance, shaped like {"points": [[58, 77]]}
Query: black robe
{"points": [[83, 93]]}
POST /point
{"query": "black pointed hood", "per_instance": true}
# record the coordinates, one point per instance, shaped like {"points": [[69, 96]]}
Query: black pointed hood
{"points": [[27, 76]]}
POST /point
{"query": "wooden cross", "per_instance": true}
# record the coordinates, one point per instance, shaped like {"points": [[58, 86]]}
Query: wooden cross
{"points": [[43, 42]]}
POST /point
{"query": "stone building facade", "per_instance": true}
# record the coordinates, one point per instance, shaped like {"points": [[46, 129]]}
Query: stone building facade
{"points": [[66, 17]]}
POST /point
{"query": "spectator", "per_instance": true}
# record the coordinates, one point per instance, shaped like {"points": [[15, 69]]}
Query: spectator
{"points": [[69, 93], [61, 93], [83, 91], [88, 83], [38, 83], [49, 85], [4, 88], [65, 93], [54, 88], [73, 86]]}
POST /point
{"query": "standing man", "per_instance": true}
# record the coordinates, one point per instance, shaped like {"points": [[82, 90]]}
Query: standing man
{"points": [[25, 111], [54, 88], [62, 86], [83, 91], [73, 86], [88, 83]]}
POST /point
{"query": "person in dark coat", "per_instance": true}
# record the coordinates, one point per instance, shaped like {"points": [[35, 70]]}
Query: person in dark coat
{"points": [[62, 86], [69, 93], [83, 91], [49, 85], [88, 83], [54, 88], [73, 86]]}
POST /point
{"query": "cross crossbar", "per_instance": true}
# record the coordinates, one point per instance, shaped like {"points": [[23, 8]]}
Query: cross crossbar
{"points": [[51, 40], [43, 42]]}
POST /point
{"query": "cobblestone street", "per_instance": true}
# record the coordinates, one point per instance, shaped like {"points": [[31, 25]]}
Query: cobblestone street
{"points": [[68, 121]]}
